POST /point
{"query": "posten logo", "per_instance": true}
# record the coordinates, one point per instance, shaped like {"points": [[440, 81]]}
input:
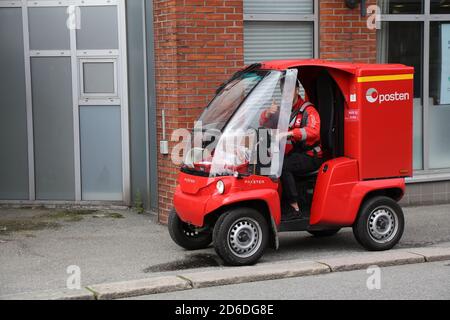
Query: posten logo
{"points": [[372, 95]]}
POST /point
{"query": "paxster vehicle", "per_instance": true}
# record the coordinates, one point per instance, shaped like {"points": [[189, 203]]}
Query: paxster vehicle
{"points": [[229, 189]]}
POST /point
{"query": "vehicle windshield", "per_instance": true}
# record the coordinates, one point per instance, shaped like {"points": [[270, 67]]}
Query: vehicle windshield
{"points": [[236, 134], [226, 102]]}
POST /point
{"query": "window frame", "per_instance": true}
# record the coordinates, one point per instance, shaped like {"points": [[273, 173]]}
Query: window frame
{"points": [[85, 98]]}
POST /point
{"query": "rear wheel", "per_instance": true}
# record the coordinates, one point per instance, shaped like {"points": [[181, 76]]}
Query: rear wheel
{"points": [[241, 236], [187, 236], [380, 224], [324, 233]]}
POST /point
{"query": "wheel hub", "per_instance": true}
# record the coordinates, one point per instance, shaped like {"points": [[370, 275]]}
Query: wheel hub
{"points": [[244, 237], [382, 225]]}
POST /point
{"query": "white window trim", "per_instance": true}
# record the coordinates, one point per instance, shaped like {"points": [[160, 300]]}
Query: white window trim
{"points": [[84, 96]]}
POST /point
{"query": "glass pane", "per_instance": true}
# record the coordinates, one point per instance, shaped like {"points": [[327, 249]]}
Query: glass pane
{"points": [[225, 104], [280, 6], [440, 6], [98, 77], [99, 28], [53, 128], [13, 117], [101, 153], [397, 46], [48, 28], [439, 95], [401, 6], [235, 147], [268, 40]]}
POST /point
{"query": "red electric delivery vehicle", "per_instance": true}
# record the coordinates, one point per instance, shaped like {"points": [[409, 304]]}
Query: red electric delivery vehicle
{"points": [[229, 191]]}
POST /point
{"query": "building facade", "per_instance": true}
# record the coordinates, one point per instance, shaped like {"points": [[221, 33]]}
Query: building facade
{"points": [[88, 89]]}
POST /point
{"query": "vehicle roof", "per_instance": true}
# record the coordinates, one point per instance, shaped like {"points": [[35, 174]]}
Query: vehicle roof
{"points": [[358, 69]]}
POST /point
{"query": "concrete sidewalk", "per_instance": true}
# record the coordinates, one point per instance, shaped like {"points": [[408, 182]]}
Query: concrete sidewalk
{"points": [[37, 246]]}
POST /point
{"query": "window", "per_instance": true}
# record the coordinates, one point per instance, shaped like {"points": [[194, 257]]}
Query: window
{"points": [[98, 78], [13, 117], [401, 6], [47, 27], [99, 28], [51, 82], [279, 7], [279, 30], [439, 94], [440, 6], [268, 40], [101, 153]]}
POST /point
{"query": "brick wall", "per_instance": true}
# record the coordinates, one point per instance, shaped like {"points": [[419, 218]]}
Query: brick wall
{"points": [[344, 34], [198, 45]]}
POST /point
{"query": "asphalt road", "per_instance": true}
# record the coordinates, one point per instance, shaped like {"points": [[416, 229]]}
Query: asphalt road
{"points": [[111, 249], [419, 281]]}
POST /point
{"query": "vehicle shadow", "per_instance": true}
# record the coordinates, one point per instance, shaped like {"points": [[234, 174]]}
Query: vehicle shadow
{"points": [[302, 245]]}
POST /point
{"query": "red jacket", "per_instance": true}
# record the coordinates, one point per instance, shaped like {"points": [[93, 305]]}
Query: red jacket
{"points": [[309, 134]]}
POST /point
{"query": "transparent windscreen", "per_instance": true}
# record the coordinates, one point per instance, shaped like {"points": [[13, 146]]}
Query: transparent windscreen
{"points": [[254, 138], [226, 102]]}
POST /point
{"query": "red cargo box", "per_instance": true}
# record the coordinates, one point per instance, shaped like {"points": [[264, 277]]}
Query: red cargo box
{"points": [[382, 121]]}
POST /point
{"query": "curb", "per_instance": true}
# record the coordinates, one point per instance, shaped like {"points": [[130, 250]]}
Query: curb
{"points": [[432, 254], [237, 275], [135, 288], [82, 294], [367, 259], [256, 273]]}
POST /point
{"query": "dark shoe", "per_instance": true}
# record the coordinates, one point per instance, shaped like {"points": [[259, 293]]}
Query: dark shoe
{"points": [[291, 214]]}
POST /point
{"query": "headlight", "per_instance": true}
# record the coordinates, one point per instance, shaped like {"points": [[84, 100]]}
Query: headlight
{"points": [[220, 186]]}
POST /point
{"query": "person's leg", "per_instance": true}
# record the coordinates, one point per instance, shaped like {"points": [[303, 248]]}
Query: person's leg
{"points": [[291, 165], [289, 188], [296, 164]]}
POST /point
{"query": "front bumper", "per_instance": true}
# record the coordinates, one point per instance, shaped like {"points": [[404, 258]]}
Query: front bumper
{"points": [[196, 197]]}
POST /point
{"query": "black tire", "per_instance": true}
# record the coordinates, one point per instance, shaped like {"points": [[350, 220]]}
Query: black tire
{"points": [[380, 224], [251, 226], [185, 236], [324, 233]]}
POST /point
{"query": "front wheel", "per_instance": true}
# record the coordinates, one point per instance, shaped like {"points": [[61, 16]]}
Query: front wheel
{"points": [[187, 236], [241, 236], [380, 224]]}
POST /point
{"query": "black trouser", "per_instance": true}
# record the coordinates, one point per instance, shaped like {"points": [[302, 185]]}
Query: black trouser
{"points": [[295, 164]]}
